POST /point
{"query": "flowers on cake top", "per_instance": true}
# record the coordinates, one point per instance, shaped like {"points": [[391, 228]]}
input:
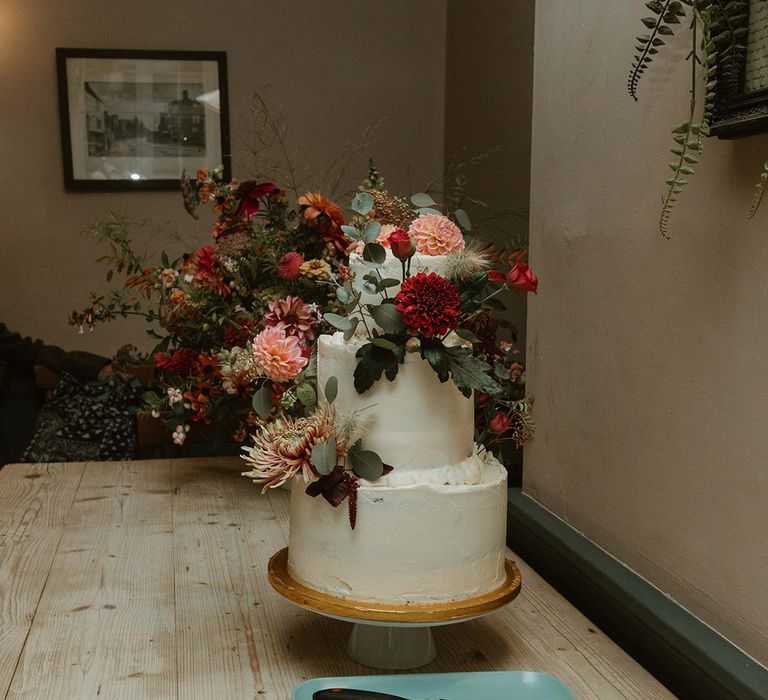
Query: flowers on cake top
{"points": [[436, 234], [430, 304]]}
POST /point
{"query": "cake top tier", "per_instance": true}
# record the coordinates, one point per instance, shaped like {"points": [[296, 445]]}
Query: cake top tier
{"points": [[413, 422]]}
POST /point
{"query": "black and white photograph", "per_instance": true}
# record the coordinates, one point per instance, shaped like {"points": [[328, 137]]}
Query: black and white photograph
{"points": [[138, 120]]}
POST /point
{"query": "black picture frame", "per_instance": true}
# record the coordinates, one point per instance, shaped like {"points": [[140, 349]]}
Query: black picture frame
{"points": [[739, 109], [134, 120]]}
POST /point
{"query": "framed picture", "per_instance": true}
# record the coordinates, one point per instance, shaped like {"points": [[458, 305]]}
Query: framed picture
{"points": [[742, 87], [135, 120]]}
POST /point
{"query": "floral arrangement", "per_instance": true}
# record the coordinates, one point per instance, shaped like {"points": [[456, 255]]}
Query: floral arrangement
{"points": [[235, 319], [448, 319]]}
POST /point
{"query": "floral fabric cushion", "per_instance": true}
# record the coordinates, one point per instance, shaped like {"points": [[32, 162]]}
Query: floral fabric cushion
{"points": [[86, 421]]}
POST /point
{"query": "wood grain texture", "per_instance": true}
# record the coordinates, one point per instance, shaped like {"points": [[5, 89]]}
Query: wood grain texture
{"points": [[152, 583], [34, 502]]}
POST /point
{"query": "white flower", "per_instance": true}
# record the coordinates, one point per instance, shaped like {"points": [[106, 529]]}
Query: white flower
{"points": [[155, 413], [180, 434], [174, 396]]}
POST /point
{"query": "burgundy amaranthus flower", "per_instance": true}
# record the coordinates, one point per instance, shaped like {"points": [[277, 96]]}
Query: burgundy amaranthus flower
{"points": [[430, 304]]}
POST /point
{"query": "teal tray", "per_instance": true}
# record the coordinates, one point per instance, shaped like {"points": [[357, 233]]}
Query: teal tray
{"points": [[499, 685]]}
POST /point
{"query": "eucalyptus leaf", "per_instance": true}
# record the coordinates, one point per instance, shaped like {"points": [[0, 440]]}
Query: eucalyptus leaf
{"points": [[331, 390], [387, 317], [428, 210], [420, 199], [371, 231], [353, 327], [351, 232], [341, 322], [374, 253], [262, 401], [342, 295], [463, 219], [366, 464], [324, 456], [362, 203]]}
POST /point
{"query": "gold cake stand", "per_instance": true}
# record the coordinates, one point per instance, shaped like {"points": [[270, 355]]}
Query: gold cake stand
{"points": [[392, 637]]}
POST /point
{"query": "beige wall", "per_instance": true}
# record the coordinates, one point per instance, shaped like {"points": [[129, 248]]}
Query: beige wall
{"points": [[488, 92], [647, 357], [335, 67]]}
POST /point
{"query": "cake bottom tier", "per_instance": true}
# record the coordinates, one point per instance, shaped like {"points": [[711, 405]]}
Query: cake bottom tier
{"points": [[414, 543]]}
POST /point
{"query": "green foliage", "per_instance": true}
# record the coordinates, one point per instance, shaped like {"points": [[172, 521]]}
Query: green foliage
{"points": [[667, 12], [374, 360], [262, 400], [470, 372], [324, 456], [366, 463], [331, 390]]}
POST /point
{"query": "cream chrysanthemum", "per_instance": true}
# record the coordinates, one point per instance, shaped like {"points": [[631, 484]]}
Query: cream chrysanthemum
{"points": [[435, 234], [282, 448]]}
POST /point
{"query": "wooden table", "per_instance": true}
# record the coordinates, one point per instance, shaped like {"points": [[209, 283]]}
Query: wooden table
{"points": [[148, 580]]}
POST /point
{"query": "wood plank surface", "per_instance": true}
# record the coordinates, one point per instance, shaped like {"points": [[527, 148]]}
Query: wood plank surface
{"points": [[34, 502], [151, 583]]}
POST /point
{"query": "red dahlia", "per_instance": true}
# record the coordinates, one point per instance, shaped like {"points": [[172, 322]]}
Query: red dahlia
{"points": [[430, 304]]}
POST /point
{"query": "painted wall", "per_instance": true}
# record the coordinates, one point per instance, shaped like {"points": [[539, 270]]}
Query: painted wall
{"points": [[334, 69], [488, 94], [647, 357]]}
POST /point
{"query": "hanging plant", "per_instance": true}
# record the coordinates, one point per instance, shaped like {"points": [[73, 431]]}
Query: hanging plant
{"points": [[717, 30]]}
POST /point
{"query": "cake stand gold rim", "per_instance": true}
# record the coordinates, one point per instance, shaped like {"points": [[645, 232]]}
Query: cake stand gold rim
{"points": [[326, 604]]}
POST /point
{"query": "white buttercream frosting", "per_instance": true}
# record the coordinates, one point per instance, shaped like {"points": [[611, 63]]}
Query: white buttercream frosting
{"points": [[425, 540], [415, 421]]}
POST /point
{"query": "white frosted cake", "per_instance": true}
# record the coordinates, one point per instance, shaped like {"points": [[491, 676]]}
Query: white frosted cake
{"points": [[431, 530]]}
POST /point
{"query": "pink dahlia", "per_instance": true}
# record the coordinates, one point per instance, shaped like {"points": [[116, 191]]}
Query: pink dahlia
{"points": [[435, 234], [292, 316], [430, 304], [278, 355]]}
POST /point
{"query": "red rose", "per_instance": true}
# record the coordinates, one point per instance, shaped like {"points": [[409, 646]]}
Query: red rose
{"points": [[497, 276], [401, 244], [250, 193], [430, 304], [521, 278], [500, 423]]}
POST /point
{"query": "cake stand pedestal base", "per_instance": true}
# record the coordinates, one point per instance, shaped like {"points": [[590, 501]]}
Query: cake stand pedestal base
{"points": [[391, 648], [386, 636]]}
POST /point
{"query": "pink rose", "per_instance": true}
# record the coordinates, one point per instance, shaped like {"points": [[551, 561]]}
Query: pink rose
{"points": [[401, 244], [521, 278]]}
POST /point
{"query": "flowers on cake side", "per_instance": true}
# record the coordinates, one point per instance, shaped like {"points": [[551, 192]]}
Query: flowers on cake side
{"points": [[323, 448], [235, 319]]}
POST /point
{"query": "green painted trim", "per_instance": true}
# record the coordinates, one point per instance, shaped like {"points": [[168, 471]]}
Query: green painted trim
{"points": [[689, 657]]}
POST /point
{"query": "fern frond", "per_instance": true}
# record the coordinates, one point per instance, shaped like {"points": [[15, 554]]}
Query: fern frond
{"points": [[759, 191], [689, 140], [667, 12]]}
